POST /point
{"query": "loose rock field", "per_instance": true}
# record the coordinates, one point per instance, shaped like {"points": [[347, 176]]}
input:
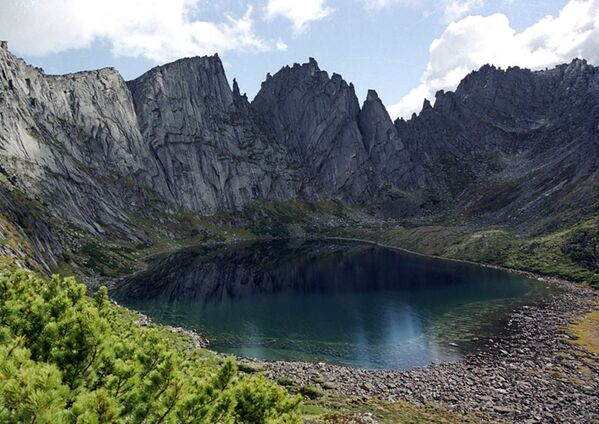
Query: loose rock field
{"points": [[531, 374]]}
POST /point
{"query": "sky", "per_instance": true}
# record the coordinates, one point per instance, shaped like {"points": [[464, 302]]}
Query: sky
{"points": [[405, 49]]}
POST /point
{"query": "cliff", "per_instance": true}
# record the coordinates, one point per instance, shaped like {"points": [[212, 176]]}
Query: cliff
{"points": [[90, 154], [209, 153], [316, 117]]}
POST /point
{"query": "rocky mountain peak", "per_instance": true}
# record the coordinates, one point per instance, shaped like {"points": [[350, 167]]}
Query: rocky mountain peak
{"points": [[579, 63], [426, 105], [315, 116], [372, 96], [181, 136], [236, 88], [577, 69], [195, 77], [211, 155], [372, 115]]}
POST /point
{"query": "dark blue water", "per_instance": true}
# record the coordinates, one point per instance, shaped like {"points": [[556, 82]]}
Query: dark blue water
{"points": [[342, 302]]}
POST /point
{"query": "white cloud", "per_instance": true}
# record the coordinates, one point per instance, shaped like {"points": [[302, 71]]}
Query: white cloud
{"points": [[299, 12], [450, 10], [377, 4], [160, 30], [456, 9], [468, 44]]}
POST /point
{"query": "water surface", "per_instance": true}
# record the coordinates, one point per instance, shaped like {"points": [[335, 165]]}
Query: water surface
{"points": [[343, 302]]}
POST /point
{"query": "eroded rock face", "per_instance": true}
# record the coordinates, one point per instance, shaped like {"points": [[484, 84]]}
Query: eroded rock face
{"points": [[512, 147], [316, 117], [389, 159], [209, 153], [69, 142]]}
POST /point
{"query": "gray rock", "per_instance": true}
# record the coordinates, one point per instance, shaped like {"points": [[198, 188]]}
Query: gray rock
{"points": [[91, 152], [316, 117], [209, 153], [511, 146], [70, 142]]}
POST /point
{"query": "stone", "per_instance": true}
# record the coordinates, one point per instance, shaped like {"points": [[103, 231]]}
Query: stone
{"points": [[503, 409], [316, 117], [368, 386], [99, 153]]}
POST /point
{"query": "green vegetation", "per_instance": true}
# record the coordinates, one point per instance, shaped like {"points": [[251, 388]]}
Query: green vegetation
{"points": [[69, 358], [402, 412], [310, 392], [65, 357], [571, 253], [96, 257], [339, 410], [108, 260], [249, 368], [586, 331], [292, 218]]}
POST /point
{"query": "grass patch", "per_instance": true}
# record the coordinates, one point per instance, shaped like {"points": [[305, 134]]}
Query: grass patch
{"points": [[587, 331], [310, 392], [356, 412], [569, 253], [311, 411], [285, 381], [249, 368]]}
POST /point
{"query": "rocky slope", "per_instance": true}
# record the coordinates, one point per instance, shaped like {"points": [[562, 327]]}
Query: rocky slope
{"points": [[90, 154], [209, 153], [316, 117], [67, 144], [512, 145]]}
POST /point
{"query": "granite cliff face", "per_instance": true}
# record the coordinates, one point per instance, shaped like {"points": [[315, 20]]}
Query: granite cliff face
{"points": [[512, 146], [66, 144], [89, 153], [209, 153], [316, 117], [394, 171]]}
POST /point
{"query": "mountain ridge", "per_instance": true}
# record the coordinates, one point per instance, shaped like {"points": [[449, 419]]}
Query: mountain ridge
{"points": [[99, 154]]}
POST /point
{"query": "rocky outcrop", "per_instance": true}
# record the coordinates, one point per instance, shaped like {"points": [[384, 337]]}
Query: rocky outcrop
{"points": [[209, 153], [508, 147], [512, 146], [316, 117], [389, 158], [68, 143]]}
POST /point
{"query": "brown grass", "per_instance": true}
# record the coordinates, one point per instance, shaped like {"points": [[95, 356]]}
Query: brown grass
{"points": [[587, 331]]}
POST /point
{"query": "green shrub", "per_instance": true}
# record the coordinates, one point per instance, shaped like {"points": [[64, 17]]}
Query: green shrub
{"points": [[285, 381], [69, 358], [249, 368], [310, 392]]}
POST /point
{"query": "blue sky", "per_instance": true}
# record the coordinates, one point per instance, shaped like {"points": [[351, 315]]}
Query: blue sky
{"points": [[387, 45]]}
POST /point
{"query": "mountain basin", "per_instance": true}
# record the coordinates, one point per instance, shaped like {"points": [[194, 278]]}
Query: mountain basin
{"points": [[342, 302]]}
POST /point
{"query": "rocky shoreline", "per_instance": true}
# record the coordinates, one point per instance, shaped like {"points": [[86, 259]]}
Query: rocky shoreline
{"points": [[196, 340], [531, 374]]}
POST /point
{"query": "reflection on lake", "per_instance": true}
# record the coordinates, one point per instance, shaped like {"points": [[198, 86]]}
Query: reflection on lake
{"points": [[343, 302]]}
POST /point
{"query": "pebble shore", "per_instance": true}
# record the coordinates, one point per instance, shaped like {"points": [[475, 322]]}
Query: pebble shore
{"points": [[531, 374]]}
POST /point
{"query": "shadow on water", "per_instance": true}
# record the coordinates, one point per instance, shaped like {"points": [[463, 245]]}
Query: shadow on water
{"points": [[337, 301]]}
